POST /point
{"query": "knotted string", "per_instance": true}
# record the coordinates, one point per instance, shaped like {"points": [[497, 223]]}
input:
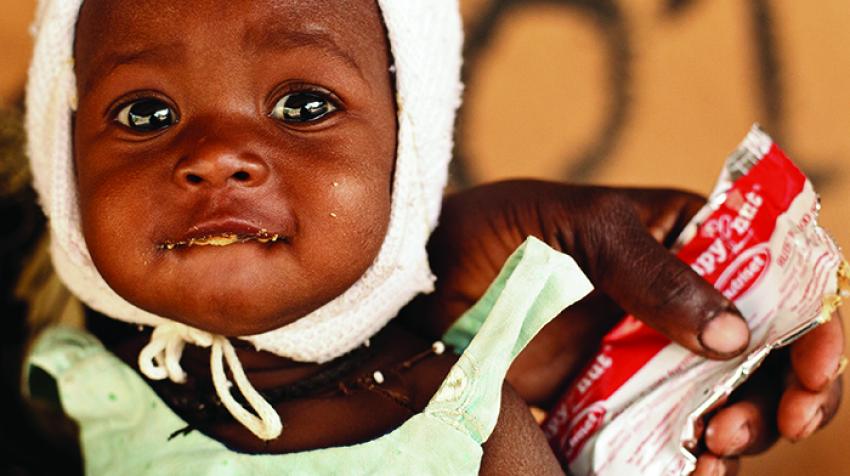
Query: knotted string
{"points": [[160, 360]]}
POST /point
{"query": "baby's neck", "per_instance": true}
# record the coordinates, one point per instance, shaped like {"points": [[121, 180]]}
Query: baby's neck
{"points": [[343, 406], [265, 370]]}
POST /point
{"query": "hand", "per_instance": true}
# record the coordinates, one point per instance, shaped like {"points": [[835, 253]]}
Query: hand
{"points": [[619, 238], [795, 393]]}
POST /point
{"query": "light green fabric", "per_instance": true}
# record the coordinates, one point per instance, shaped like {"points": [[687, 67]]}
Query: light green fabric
{"points": [[124, 426], [461, 333]]}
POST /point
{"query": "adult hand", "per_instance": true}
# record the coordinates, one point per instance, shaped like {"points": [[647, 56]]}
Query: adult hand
{"points": [[619, 237]]}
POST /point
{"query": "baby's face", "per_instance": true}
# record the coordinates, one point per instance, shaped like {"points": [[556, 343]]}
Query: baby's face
{"points": [[218, 121]]}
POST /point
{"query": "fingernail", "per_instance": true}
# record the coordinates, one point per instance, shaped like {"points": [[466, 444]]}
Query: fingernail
{"points": [[717, 468], [725, 334], [811, 426], [840, 368], [740, 441]]}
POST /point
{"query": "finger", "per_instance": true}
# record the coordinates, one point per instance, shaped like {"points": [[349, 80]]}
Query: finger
{"points": [[744, 427], [712, 465], [665, 212], [802, 412], [817, 357], [747, 424], [649, 282]]}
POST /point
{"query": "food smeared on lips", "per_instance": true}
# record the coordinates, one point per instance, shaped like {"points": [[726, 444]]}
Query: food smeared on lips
{"points": [[224, 239]]}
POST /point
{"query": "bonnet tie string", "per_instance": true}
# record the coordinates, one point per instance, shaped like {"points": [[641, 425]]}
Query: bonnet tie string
{"points": [[160, 359]]}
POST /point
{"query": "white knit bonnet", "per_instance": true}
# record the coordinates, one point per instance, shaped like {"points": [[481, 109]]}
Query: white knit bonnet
{"points": [[425, 38]]}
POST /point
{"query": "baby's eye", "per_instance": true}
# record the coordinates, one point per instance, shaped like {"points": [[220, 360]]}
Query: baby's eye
{"points": [[146, 115], [302, 107]]}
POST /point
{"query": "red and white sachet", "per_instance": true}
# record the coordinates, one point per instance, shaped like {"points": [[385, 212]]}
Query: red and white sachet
{"points": [[633, 410]]}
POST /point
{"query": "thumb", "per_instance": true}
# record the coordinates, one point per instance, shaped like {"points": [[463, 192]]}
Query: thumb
{"points": [[649, 282]]}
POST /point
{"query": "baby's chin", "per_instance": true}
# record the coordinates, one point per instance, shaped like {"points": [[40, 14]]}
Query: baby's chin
{"points": [[225, 309], [232, 298]]}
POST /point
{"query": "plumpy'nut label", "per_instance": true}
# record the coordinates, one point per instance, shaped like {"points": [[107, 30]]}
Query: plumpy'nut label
{"points": [[634, 409]]}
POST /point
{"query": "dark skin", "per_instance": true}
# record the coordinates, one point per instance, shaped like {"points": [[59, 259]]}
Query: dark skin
{"points": [[209, 120], [228, 162], [620, 237]]}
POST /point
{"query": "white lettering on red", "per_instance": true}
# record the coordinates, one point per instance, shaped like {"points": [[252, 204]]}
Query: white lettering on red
{"points": [[745, 277], [707, 262], [601, 364], [717, 253], [741, 223]]}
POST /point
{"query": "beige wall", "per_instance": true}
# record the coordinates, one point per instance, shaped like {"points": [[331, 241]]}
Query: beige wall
{"points": [[15, 16], [545, 89]]}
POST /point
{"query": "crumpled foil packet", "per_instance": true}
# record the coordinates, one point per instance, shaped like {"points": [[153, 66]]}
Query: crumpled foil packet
{"points": [[633, 410]]}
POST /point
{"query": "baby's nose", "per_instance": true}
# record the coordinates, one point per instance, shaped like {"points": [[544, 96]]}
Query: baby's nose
{"points": [[216, 167]]}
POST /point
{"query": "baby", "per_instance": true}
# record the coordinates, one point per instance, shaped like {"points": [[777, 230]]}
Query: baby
{"points": [[269, 169], [251, 169]]}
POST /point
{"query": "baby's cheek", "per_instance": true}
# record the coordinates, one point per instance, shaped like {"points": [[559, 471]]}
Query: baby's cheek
{"points": [[117, 226], [367, 202], [356, 219]]}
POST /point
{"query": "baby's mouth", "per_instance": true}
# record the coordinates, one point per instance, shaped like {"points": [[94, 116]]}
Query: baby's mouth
{"points": [[223, 239]]}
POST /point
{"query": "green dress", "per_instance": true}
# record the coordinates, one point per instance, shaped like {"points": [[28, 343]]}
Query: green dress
{"points": [[124, 426]]}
